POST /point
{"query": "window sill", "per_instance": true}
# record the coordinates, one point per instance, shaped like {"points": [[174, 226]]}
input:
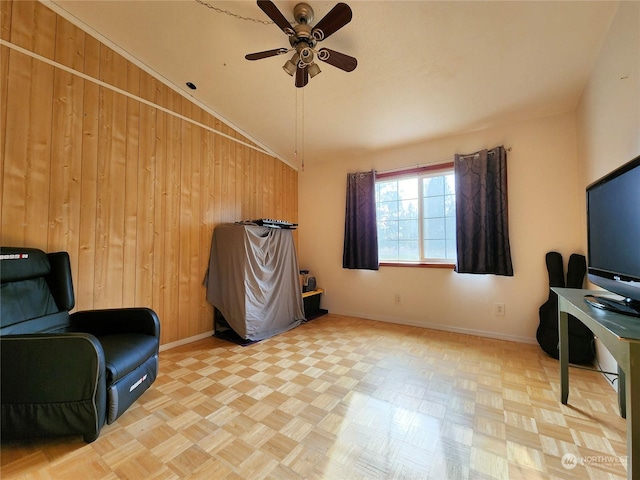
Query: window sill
{"points": [[450, 266]]}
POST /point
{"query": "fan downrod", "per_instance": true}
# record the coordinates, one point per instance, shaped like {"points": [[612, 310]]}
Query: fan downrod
{"points": [[303, 39], [303, 13]]}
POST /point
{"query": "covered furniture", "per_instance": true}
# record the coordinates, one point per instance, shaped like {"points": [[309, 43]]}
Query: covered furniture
{"points": [[61, 373], [253, 279]]}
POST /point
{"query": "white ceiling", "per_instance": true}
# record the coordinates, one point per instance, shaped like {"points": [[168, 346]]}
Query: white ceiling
{"points": [[426, 69]]}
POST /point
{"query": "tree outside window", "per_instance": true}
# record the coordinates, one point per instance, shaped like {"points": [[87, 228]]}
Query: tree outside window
{"points": [[416, 217]]}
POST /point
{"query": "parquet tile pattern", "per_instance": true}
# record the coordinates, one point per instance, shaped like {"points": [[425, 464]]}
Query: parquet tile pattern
{"points": [[345, 398]]}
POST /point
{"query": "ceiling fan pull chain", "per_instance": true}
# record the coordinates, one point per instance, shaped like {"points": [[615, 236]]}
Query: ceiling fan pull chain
{"points": [[303, 130], [300, 129], [296, 133]]}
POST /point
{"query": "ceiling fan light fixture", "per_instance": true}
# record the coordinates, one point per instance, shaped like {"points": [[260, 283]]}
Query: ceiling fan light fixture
{"points": [[303, 38], [306, 55], [314, 70], [291, 65]]}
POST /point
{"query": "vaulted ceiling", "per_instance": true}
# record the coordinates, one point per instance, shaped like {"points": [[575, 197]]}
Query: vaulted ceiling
{"points": [[426, 69]]}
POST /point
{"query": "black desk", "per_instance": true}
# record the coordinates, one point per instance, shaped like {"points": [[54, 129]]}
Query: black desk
{"points": [[621, 335]]}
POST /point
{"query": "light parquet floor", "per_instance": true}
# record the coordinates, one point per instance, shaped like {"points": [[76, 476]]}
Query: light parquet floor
{"points": [[345, 398]]}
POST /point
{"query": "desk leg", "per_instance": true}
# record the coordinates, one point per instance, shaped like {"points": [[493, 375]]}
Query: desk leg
{"points": [[633, 410], [622, 396], [563, 333]]}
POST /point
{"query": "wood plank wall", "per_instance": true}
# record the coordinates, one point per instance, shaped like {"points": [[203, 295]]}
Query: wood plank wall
{"points": [[131, 192]]}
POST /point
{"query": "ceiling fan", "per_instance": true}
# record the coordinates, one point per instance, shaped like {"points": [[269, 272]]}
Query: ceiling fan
{"points": [[304, 38]]}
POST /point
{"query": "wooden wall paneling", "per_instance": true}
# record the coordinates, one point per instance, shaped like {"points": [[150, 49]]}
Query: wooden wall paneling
{"points": [[239, 190], [293, 198], [5, 19], [105, 227], [84, 281], [4, 75], [16, 105], [234, 212], [207, 219], [284, 204], [171, 255], [255, 205], [15, 150], [279, 190], [158, 283], [259, 181], [131, 192], [111, 172], [13, 184], [130, 185], [292, 183], [69, 45], [5, 34], [226, 212], [245, 195], [145, 194], [186, 222], [66, 144], [195, 254], [35, 29], [39, 154], [270, 190], [234, 165], [217, 174], [287, 203], [207, 179], [284, 181], [263, 181]]}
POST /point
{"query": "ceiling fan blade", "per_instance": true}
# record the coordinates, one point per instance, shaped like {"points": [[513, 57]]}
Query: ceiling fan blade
{"points": [[337, 59], [266, 54], [274, 14], [333, 21], [302, 77]]}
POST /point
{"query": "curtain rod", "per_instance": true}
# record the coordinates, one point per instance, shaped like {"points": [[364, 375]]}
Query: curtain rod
{"points": [[422, 165]]}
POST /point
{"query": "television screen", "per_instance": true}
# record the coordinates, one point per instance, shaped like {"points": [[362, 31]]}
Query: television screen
{"points": [[613, 225]]}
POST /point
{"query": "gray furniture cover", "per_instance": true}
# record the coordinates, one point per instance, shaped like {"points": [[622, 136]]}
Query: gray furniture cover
{"points": [[253, 279]]}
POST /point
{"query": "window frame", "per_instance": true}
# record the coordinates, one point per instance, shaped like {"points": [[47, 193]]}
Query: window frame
{"points": [[410, 173]]}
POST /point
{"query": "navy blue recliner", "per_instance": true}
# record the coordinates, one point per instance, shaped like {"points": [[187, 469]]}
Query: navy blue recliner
{"points": [[61, 373]]}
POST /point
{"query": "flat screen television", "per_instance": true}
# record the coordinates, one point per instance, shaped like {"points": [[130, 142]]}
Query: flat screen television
{"points": [[613, 229]]}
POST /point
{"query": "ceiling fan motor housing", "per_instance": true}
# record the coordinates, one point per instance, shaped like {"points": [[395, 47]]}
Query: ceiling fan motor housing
{"points": [[304, 38], [303, 41]]}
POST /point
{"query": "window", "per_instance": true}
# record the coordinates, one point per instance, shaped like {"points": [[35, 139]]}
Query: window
{"points": [[416, 215]]}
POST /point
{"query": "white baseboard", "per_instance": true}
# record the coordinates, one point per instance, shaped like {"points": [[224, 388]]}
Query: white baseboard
{"points": [[445, 328], [184, 341]]}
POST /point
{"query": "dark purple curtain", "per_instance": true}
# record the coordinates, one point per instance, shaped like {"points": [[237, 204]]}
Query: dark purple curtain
{"points": [[482, 224], [360, 231]]}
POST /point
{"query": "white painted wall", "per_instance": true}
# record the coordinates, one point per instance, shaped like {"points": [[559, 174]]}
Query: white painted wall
{"points": [[552, 161], [608, 114], [544, 214]]}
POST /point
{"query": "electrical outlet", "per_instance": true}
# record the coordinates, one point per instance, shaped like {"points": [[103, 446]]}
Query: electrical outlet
{"points": [[397, 299], [498, 309]]}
